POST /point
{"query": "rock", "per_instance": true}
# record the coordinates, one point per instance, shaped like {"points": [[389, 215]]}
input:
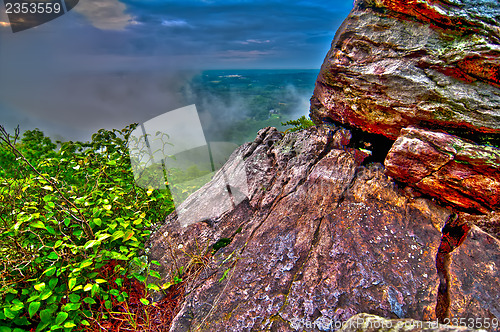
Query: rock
{"points": [[319, 237], [490, 223], [475, 279], [396, 63], [454, 170], [373, 323]]}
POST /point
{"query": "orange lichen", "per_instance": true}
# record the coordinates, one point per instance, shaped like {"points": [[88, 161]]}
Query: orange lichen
{"points": [[487, 69], [430, 12]]}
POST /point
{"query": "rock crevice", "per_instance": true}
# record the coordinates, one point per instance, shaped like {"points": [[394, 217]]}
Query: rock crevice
{"points": [[341, 240]]}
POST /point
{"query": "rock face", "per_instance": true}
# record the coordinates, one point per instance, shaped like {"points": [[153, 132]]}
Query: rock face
{"points": [[319, 239], [474, 273], [432, 63], [447, 167], [295, 233]]}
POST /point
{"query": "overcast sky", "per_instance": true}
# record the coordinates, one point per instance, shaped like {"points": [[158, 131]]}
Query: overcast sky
{"points": [[108, 63]]}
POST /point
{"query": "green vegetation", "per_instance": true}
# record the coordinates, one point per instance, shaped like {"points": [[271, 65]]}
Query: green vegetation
{"points": [[299, 124], [74, 221], [73, 225]]}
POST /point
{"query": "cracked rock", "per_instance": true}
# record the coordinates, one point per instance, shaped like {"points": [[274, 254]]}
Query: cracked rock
{"points": [[318, 237], [475, 279], [451, 169], [396, 63]]}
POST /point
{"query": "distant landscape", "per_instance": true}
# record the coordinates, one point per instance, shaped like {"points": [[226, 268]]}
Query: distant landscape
{"points": [[235, 104]]}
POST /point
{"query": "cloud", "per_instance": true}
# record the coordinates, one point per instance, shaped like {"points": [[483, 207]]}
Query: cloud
{"points": [[108, 63], [254, 41], [280, 29], [105, 14], [174, 23]]}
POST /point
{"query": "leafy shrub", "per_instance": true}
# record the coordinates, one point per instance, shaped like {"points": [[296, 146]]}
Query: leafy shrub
{"points": [[64, 216], [299, 124]]}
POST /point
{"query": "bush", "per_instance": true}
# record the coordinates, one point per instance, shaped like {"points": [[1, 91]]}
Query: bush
{"points": [[64, 216], [299, 124]]}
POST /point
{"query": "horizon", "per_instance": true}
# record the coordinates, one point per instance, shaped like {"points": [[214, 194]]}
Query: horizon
{"points": [[108, 63], [209, 131]]}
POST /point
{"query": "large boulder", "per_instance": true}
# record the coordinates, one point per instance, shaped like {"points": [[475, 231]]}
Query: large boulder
{"points": [[454, 170], [318, 239], [431, 63]]}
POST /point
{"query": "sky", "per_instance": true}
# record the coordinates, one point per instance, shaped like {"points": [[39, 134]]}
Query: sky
{"points": [[109, 63]]}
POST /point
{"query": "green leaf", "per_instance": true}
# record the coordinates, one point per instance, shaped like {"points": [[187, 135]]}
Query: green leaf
{"points": [[153, 287], [45, 295], [71, 307], [87, 287], [69, 325], [75, 298], [61, 317], [139, 277], [23, 320], [89, 300], [100, 281], [9, 313], [71, 283], [46, 315], [144, 301], [117, 235], [224, 275], [39, 287], [33, 308], [53, 282], [50, 271], [95, 289], [51, 230], [86, 263], [41, 326], [166, 285], [90, 244], [5, 329], [98, 221], [37, 224], [102, 237], [53, 255], [17, 305], [58, 244], [155, 263], [155, 274], [128, 235]]}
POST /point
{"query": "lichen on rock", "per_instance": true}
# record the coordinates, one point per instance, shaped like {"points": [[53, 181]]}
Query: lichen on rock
{"points": [[327, 238]]}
